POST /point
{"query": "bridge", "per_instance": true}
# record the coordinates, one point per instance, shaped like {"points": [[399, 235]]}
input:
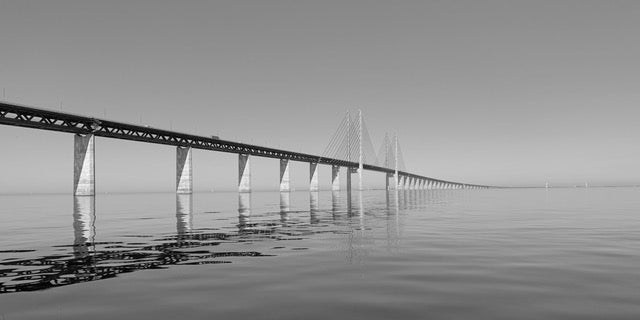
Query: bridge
{"points": [[350, 147]]}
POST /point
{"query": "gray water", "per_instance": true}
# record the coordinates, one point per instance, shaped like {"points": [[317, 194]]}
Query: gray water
{"points": [[438, 254]]}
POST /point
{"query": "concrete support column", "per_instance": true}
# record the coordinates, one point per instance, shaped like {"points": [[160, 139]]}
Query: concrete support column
{"points": [[244, 173], [400, 185], [335, 178], [407, 181], [184, 173], [84, 181], [313, 176], [284, 176]]}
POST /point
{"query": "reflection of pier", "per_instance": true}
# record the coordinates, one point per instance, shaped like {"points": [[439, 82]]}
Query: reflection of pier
{"points": [[313, 207], [84, 229], [244, 210], [184, 214], [90, 259], [285, 206]]}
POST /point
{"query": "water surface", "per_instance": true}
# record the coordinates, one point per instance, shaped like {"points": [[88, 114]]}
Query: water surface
{"points": [[438, 254]]}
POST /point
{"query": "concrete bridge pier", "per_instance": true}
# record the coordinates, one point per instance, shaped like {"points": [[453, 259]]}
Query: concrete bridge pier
{"points": [[349, 172], [386, 180], [284, 176], [400, 185], [244, 173], [313, 176], [335, 178], [184, 170], [84, 181]]}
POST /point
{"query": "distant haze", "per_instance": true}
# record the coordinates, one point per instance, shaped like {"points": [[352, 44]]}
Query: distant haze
{"points": [[487, 92]]}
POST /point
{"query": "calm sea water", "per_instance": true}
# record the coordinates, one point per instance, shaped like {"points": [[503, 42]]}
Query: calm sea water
{"points": [[455, 254]]}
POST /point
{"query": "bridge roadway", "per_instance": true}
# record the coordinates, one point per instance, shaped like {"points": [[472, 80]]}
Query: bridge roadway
{"points": [[29, 117]]}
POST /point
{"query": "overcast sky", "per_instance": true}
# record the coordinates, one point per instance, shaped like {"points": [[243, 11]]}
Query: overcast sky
{"points": [[487, 92]]}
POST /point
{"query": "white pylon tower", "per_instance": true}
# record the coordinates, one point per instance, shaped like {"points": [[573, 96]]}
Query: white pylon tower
{"points": [[360, 167], [396, 178], [348, 150]]}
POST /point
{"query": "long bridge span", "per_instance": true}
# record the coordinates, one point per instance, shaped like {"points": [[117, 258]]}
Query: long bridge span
{"points": [[349, 148]]}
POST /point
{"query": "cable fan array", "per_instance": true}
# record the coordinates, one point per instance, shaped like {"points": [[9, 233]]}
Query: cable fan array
{"points": [[345, 145]]}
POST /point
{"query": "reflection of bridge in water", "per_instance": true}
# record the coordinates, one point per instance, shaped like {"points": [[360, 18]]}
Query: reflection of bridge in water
{"points": [[89, 259]]}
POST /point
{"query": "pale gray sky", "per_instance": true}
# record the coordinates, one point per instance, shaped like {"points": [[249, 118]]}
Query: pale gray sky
{"points": [[488, 92]]}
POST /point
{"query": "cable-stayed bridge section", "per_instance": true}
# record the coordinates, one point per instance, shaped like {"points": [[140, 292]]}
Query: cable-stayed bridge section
{"points": [[350, 147]]}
